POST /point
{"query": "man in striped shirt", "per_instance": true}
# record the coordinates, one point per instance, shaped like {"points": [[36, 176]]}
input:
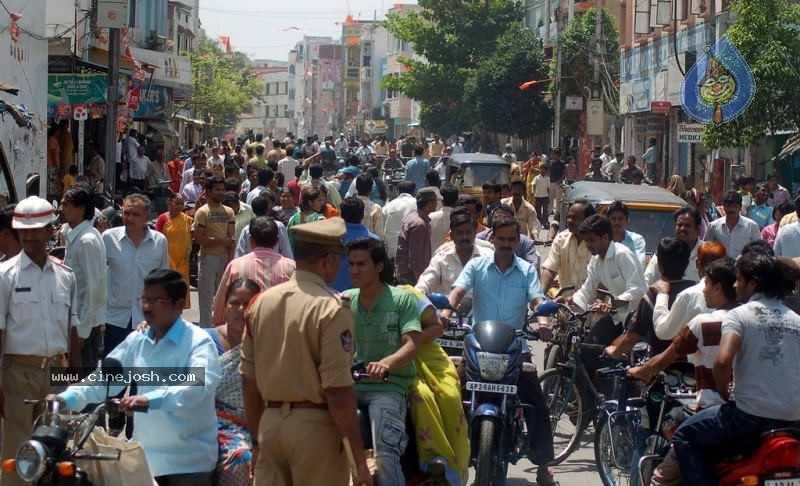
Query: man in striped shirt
{"points": [[262, 265]]}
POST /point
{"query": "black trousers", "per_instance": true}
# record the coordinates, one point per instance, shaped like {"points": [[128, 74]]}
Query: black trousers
{"points": [[540, 434]]}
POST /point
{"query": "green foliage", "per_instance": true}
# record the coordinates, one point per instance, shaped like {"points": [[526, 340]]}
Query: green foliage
{"points": [[452, 36], [577, 68], [224, 86], [768, 37], [500, 105]]}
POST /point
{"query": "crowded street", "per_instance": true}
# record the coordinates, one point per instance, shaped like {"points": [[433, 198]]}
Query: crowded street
{"points": [[435, 242]]}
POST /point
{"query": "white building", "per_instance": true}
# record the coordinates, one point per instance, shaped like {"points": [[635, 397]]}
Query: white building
{"points": [[270, 113]]}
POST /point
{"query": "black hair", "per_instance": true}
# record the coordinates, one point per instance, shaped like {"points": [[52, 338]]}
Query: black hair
{"points": [[265, 176], [81, 195], [298, 171], [264, 231], [732, 197], [432, 178], [589, 209], [464, 200], [407, 187], [784, 208], [693, 212], [247, 283], [460, 215], [674, 255], [418, 150], [352, 210], [171, 281], [315, 171], [505, 208], [6, 219], [280, 178], [493, 186], [765, 270], [723, 272], [758, 246], [307, 195], [449, 194], [260, 206], [597, 224], [364, 184], [517, 183], [259, 150], [214, 180], [620, 207], [377, 253], [502, 221], [233, 184]]}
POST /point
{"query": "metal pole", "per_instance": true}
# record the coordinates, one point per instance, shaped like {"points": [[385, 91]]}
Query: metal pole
{"points": [[111, 113], [557, 118], [598, 32]]}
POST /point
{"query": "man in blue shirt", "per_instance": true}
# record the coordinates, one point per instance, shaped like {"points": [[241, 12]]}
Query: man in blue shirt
{"points": [[503, 287], [526, 249], [761, 212], [352, 212], [179, 433], [417, 167]]}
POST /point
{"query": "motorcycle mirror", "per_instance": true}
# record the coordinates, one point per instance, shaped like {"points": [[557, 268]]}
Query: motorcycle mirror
{"points": [[547, 308], [440, 301], [466, 305], [110, 366]]}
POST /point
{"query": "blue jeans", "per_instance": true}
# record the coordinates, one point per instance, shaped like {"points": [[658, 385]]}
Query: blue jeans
{"points": [[715, 426], [387, 416]]}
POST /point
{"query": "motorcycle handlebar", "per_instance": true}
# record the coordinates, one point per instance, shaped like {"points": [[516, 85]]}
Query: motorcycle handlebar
{"points": [[608, 372], [134, 408]]}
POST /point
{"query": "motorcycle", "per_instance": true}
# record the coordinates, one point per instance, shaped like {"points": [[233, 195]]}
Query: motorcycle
{"points": [[452, 340], [50, 456]]}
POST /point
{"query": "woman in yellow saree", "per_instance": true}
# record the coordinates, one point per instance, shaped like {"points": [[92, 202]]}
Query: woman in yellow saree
{"points": [[177, 227], [435, 403]]}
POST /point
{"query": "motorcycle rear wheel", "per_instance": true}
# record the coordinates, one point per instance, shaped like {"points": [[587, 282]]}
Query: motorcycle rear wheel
{"points": [[566, 419], [611, 472], [490, 470]]}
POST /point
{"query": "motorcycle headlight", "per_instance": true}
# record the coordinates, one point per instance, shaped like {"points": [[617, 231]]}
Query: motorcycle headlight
{"points": [[30, 460], [493, 366]]}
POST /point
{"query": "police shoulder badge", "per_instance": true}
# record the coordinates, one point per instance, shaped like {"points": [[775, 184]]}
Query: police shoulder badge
{"points": [[347, 340]]}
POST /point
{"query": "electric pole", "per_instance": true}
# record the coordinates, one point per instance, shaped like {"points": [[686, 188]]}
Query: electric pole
{"points": [[111, 112]]}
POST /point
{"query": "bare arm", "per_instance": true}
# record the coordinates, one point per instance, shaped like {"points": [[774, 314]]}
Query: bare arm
{"points": [[431, 329], [548, 277], [403, 356], [201, 239], [253, 405], [655, 365], [729, 345], [342, 407], [455, 297], [623, 344]]}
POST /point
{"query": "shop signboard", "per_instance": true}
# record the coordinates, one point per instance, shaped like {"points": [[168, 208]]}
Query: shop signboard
{"points": [[153, 104], [690, 132], [73, 89], [660, 107]]}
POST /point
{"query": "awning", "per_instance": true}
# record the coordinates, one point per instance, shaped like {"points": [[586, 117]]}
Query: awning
{"points": [[791, 146], [162, 127], [190, 120]]}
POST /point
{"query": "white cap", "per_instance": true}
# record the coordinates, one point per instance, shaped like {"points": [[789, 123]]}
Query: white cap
{"points": [[32, 212]]}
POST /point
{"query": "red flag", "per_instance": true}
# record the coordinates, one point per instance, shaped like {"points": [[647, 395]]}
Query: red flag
{"points": [[349, 20], [226, 42], [528, 84]]}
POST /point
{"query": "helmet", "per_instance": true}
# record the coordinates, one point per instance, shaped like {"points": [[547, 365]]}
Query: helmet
{"points": [[32, 212]]}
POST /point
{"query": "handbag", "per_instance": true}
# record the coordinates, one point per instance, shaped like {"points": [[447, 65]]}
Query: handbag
{"points": [[131, 468]]}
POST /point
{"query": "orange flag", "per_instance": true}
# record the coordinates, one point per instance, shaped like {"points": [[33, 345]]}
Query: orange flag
{"points": [[528, 84], [349, 20]]}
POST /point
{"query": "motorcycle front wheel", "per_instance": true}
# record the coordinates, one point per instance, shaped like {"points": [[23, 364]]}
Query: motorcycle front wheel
{"points": [[613, 450], [566, 414], [490, 470]]}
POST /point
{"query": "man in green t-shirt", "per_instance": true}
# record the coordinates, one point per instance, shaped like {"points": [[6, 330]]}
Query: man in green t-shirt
{"points": [[214, 226], [387, 339]]}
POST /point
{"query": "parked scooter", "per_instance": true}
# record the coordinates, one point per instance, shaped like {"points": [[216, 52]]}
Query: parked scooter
{"points": [[49, 456]]}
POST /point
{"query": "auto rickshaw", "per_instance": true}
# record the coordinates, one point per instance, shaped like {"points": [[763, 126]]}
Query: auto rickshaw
{"points": [[469, 171]]}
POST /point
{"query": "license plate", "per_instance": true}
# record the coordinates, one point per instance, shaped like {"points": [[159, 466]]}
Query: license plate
{"points": [[450, 343], [782, 482], [493, 388]]}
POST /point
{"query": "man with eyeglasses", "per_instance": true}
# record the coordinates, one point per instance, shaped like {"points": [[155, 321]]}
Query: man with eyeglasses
{"points": [[132, 251], [179, 432]]}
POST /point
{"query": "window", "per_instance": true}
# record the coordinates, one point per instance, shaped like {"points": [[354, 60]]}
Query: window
{"points": [[285, 87], [7, 193], [276, 112], [266, 110], [277, 91], [267, 85], [285, 111]]}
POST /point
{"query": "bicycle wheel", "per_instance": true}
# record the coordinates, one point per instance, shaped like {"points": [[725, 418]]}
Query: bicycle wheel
{"points": [[613, 450], [566, 415], [554, 356]]}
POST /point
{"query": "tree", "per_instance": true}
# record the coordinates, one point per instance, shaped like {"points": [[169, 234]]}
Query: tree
{"points": [[223, 85], [766, 34], [578, 50], [452, 36], [494, 91]]}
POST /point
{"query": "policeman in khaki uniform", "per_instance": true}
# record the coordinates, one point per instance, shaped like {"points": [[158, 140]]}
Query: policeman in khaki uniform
{"points": [[297, 351], [38, 322]]}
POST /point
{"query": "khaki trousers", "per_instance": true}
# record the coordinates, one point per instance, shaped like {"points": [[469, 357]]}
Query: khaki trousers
{"points": [[21, 381], [300, 447]]}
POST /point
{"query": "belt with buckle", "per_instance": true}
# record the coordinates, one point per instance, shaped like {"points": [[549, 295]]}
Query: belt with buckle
{"points": [[41, 362], [317, 406]]}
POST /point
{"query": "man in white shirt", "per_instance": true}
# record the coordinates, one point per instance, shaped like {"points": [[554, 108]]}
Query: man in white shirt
{"points": [[733, 230], [341, 145], [286, 167], [448, 261], [687, 227], [395, 211], [138, 168], [787, 241], [373, 216], [216, 159], [440, 220], [86, 256]]}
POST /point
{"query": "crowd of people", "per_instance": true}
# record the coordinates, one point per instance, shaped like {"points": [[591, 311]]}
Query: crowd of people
{"points": [[299, 275]]}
